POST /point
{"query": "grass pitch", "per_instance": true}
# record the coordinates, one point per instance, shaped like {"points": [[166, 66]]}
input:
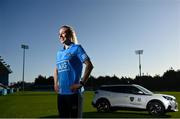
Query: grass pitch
{"points": [[44, 105]]}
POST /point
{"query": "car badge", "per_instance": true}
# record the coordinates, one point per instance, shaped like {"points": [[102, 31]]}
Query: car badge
{"points": [[131, 99]]}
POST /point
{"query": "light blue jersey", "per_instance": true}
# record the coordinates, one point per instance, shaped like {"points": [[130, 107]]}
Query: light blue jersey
{"points": [[69, 64]]}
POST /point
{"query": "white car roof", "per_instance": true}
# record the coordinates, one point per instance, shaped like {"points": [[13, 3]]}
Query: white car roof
{"points": [[119, 85]]}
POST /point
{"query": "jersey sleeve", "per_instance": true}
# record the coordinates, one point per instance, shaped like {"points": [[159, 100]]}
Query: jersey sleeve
{"points": [[81, 54]]}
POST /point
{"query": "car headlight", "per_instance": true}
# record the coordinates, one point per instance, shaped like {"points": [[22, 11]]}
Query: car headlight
{"points": [[167, 98]]}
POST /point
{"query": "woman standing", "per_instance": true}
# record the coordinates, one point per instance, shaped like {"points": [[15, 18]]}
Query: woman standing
{"points": [[67, 75]]}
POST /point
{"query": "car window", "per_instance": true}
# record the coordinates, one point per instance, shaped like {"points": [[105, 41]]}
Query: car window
{"points": [[118, 89], [121, 89], [108, 88], [134, 90], [128, 89], [146, 91]]}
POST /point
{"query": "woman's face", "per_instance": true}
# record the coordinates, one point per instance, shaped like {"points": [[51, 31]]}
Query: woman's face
{"points": [[63, 36]]}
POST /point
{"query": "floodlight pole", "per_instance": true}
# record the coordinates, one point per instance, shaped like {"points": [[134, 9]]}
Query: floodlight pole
{"points": [[139, 52], [23, 47]]}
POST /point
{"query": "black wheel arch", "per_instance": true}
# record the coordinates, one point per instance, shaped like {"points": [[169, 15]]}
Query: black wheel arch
{"points": [[101, 99], [155, 100]]}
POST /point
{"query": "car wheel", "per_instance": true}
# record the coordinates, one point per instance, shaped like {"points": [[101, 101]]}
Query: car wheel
{"points": [[156, 108], [103, 106]]}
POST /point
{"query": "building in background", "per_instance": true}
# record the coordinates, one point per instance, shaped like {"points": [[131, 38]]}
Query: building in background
{"points": [[4, 72]]}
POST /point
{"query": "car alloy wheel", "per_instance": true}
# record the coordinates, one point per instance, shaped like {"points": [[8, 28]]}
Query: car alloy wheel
{"points": [[156, 108], [103, 106]]}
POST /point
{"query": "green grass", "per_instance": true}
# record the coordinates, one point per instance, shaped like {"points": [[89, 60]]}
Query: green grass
{"points": [[28, 104], [43, 104]]}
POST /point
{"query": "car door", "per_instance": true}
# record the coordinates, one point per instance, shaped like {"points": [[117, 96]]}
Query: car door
{"points": [[119, 96], [137, 98], [119, 99]]}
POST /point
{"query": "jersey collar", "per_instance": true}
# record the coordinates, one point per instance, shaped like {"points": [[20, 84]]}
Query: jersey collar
{"points": [[68, 47]]}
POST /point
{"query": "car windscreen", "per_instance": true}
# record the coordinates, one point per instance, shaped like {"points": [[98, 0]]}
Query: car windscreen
{"points": [[146, 91]]}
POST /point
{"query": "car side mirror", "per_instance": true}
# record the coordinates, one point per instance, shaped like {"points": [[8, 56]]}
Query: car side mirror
{"points": [[140, 92]]}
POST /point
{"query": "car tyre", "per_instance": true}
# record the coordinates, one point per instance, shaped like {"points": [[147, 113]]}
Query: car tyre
{"points": [[103, 106], [156, 108]]}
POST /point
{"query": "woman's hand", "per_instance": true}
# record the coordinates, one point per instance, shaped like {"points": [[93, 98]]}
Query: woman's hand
{"points": [[75, 87]]}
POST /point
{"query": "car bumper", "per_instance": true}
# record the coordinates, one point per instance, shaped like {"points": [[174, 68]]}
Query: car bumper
{"points": [[173, 106]]}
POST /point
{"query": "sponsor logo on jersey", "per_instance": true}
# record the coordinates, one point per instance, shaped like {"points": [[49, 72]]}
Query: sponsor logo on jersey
{"points": [[63, 66]]}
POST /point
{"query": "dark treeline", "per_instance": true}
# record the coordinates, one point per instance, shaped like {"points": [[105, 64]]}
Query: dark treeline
{"points": [[42, 80], [41, 83], [169, 81]]}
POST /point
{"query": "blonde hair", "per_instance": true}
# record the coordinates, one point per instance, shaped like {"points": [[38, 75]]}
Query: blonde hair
{"points": [[71, 32]]}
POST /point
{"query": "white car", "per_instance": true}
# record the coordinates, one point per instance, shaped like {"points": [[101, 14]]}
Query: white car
{"points": [[131, 96]]}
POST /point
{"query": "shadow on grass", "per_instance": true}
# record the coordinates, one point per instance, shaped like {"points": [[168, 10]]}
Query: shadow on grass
{"points": [[32, 94], [114, 115], [51, 116], [121, 115]]}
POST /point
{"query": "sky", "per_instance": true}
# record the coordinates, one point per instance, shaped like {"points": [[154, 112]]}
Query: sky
{"points": [[109, 30]]}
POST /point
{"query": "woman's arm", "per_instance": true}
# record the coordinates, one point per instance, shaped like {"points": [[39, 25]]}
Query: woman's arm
{"points": [[56, 80], [87, 72], [88, 69]]}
